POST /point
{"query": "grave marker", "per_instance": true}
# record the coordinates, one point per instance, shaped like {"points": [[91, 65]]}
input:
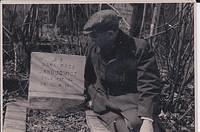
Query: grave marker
{"points": [[56, 79]]}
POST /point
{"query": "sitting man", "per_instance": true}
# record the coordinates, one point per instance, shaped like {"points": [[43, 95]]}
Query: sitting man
{"points": [[121, 77]]}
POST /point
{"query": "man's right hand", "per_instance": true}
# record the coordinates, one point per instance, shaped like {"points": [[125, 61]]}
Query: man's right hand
{"points": [[147, 126]]}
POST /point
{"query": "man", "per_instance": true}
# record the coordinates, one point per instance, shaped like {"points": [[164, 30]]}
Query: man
{"points": [[121, 76]]}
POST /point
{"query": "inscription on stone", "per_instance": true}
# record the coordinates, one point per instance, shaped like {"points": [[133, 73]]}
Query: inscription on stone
{"points": [[56, 75]]}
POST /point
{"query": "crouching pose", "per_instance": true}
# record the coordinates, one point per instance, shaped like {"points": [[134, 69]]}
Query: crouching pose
{"points": [[121, 76]]}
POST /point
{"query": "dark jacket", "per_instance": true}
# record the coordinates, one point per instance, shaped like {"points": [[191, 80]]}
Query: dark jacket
{"points": [[128, 80]]}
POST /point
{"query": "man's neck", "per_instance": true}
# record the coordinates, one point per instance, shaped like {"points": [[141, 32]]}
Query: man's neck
{"points": [[108, 52]]}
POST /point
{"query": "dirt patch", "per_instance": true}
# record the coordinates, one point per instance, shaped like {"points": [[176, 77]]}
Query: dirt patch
{"points": [[47, 121]]}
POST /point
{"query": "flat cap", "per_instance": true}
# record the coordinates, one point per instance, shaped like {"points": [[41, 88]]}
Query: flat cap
{"points": [[102, 21]]}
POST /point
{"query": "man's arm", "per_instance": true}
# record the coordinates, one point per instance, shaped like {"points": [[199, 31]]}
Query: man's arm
{"points": [[148, 81], [89, 74]]}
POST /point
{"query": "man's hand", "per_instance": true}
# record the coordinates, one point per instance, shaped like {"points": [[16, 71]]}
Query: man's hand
{"points": [[147, 126]]}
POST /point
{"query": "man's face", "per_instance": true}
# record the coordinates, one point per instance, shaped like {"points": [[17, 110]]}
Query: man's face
{"points": [[102, 39]]}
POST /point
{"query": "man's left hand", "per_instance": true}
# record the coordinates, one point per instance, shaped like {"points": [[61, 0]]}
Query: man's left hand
{"points": [[147, 126]]}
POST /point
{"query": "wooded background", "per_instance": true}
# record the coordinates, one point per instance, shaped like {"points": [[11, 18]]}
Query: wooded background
{"points": [[169, 28]]}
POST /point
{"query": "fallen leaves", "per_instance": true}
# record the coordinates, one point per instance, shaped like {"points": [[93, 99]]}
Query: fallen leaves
{"points": [[46, 121]]}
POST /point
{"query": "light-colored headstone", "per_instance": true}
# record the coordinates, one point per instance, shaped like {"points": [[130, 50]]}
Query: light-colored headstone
{"points": [[15, 117], [56, 76]]}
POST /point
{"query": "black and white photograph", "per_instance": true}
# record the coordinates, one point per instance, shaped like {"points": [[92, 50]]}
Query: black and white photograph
{"points": [[98, 67]]}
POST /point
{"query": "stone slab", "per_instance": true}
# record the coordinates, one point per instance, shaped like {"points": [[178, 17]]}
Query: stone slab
{"points": [[56, 77], [94, 123], [15, 117]]}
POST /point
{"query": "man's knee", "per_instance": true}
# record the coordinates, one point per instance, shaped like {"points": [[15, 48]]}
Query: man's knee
{"points": [[120, 125], [134, 123], [132, 119], [123, 125]]}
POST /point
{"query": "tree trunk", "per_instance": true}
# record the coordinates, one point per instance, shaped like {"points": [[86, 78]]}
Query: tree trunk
{"points": [[155, 19], [143, 18], [137, 16]]}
